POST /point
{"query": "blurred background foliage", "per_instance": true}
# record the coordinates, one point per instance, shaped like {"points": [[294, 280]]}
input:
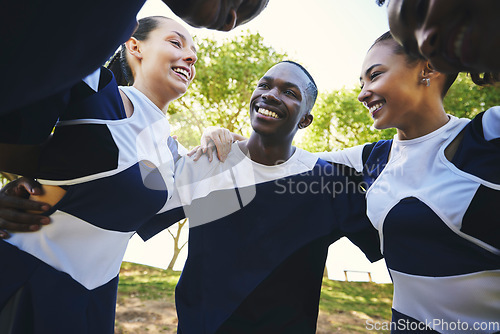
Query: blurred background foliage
{"points": [[228, 71]]}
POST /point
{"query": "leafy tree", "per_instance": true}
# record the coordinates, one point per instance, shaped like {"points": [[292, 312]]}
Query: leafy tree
{"points": [[466, 99], [340, 121]]}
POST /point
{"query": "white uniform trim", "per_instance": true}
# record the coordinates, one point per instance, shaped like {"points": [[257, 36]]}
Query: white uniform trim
{"points": [[92, 80], [237, 176], [351, 157], [441, 306], [148, 144], [403, 176], [491, 119], [75, 251]]}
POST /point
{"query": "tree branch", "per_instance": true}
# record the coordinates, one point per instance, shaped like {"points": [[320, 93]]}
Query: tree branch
{"points": [[199, 124], [183, 246], [171, 233]]}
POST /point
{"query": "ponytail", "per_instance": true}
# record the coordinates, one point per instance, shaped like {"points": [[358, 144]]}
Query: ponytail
{"points": [[118, 64], [120, 67]]}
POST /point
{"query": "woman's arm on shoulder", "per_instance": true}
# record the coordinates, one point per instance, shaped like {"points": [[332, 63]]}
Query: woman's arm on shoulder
{"points": [[352, 157], [215, 137]]}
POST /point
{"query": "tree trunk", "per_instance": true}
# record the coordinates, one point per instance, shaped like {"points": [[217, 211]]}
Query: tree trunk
{"points": [[176, 238]]}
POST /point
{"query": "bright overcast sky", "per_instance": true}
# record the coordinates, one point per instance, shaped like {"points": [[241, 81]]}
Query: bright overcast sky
{"points": [[329, 37]]}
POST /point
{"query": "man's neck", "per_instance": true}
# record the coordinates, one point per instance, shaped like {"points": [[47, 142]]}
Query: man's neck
{"points": [[267, 151]]}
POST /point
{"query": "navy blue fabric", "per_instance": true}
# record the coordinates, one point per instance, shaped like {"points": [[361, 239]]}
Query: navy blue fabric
{"points": [[160, 222], [32, 124], [86, 104], [476, 155], [76, 151], [105, 208], [126, 195], [481, 158], [375, 157], [79, 36], [481, 219], [429, 246], [40, 298], [418, 242], [285, 306], [233, 262]]}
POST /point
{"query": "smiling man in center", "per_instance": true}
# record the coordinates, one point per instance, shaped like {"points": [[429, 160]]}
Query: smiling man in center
{"points": [[260, 223]]}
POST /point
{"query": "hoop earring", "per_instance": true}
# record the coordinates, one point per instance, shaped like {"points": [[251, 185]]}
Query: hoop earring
{"points": [[426, 81]]}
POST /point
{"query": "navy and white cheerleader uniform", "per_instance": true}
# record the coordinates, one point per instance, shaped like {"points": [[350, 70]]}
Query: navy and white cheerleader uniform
{"points": [[81, 36], [439, 223], [258, 240], [117, 173]]}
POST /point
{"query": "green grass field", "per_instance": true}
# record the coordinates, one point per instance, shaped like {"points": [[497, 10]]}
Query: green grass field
{"points": [[345, 307]]}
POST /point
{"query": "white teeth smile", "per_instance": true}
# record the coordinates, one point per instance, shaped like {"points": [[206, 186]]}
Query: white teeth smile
{"points": [[375, 107], [268, 113], [181, 71]]}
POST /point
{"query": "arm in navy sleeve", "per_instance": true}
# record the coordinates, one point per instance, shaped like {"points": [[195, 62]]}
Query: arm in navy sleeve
{"points": [[160, 222], [350, 209]]}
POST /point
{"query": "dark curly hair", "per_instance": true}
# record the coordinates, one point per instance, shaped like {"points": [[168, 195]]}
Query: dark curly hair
{"points": [[485, 79], [480, 79], [312, 89]]}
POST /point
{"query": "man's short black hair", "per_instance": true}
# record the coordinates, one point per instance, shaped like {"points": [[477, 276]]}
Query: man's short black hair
{"points": [[311, 89]]}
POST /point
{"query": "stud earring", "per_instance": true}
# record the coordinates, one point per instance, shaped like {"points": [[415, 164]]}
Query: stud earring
{"points": [[426, 81]]}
